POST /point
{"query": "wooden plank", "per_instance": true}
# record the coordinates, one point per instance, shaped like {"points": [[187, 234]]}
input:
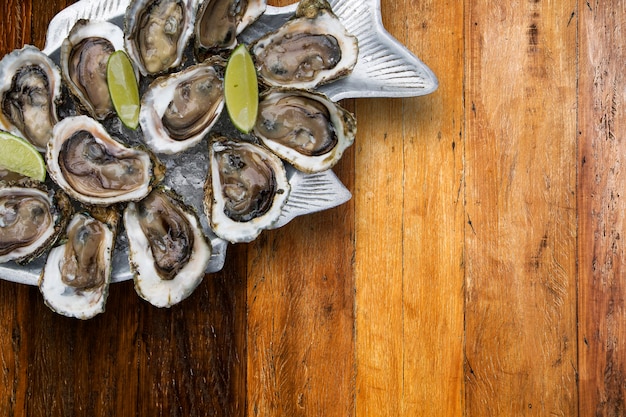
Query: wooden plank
{"points": [[191, 357], [433, 217], [602, 224], [520, 154], [300, 317], [82, 368], [378, 261], [409, 260], [15, 24], [300, 339], [300, 346], [14, 348]]}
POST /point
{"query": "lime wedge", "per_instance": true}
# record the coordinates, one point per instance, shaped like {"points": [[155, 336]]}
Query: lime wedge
{"points": [[123, 88], [241, 89], [18, 155]]}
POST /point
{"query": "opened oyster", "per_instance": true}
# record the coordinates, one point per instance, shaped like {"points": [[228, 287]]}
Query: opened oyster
{"points": [[75, 280], [156, 33], [304, 128], [31, 219], [245, 190], [92, 167], [178, 110], [168, 250], [84, 57], [311, 49], [30, 86], [218, 22]]}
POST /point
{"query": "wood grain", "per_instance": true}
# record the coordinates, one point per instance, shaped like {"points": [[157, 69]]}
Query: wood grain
{"points": [[433, 217], [477, 271], [300, 334], [409, 262], [520, 176], [602, 182]]}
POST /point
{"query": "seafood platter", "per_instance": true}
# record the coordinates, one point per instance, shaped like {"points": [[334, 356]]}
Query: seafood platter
{"points": [[160, 203]]}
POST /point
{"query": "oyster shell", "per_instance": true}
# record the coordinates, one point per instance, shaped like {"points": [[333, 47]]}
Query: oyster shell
{"points": [[84, 57], [31, 219], [92, 167], [178, 110], [245, 189], [311, 49], [156, 33], [75, 280], [168, 250], [304, 128], [30, 87], [218, 22]]}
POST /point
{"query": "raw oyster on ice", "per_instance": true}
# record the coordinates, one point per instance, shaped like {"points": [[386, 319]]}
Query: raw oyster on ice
{"points": [[92, 167], [245, 190], [30, 87], [84, 57], [311, 49], [75, 280], [304, 128], [218, 22], [156, 33], [168, 250], [179, 109], [31, 219]]}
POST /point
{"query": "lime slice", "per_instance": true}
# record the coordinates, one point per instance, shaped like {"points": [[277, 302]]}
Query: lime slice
{"points": [[241, 89], [123, 88], [18, 155]]}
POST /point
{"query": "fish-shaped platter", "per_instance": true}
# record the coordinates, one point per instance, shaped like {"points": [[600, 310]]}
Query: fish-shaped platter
{"points": [[384, 68]]}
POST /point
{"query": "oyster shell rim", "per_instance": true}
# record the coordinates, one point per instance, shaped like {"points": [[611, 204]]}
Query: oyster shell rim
{"points": [[158, 292], [63, 132], [46, 282]]}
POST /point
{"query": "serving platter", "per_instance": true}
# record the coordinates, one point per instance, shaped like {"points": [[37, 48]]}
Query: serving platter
{"points": [[385, 68]]}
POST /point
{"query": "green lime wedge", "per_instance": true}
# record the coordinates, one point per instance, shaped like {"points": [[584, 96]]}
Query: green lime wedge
{"points": [[18, 155], [123, 88], [241, 89]]}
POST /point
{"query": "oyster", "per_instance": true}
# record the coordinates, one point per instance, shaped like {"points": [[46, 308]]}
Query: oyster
{"points": [[304, 128], [178, 110], [30, 86], [311, 49], [245, 189], [92, 167], [218, 22], [156, 33], [31, 219], [84, 57], [75, 280], [168, 250]]}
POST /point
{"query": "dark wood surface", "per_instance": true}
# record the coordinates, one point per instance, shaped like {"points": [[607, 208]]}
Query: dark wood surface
{"points": [[477, 271]]}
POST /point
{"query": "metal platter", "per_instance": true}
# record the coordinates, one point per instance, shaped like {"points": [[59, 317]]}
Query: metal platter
{"points": [[385, 68]]}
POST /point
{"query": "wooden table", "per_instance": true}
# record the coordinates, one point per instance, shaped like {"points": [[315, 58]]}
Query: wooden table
{"points": [[479, 270]]}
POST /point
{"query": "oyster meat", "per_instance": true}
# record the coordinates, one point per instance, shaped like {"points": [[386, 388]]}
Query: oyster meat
{"points": [[76, 277], [84, 57], [218, 22], [30, 86], [156, 33], [168, 250], [178, 110], [311, 49], [31, 219], [92, 167], [304, 128], [245, 190]]}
